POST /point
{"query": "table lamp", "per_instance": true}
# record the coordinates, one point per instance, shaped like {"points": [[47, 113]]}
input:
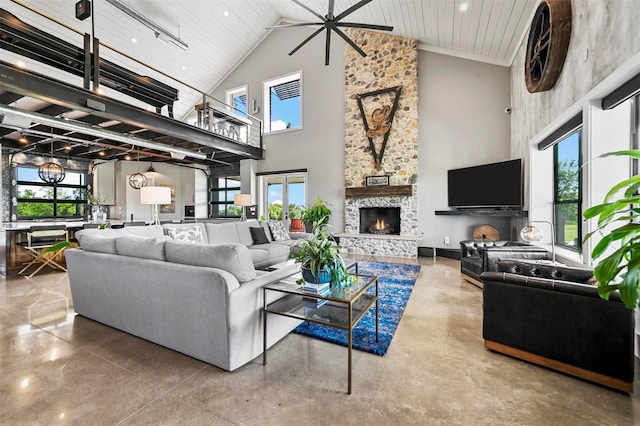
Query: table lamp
{"points": [[242, 200], [155, 195], [532, 233]]}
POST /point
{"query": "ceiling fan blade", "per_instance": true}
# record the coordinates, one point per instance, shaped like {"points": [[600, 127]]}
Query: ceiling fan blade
{"points": [[351, 9], [327, 48], [322, 18], [365, 26], [306, 40], [301, 24], [351, 43]]}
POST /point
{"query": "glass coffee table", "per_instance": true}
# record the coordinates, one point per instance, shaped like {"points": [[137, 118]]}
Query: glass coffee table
{"points": [[341, 308]]}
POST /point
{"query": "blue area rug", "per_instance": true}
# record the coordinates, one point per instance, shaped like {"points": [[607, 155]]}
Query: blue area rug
{"points": [[395, 283]]}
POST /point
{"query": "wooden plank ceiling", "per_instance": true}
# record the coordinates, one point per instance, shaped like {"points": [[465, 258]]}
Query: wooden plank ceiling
{"points": [[220, 33]]}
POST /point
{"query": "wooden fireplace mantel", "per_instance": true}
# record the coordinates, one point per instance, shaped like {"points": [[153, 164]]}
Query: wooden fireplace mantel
{"points": [[378, 191]]}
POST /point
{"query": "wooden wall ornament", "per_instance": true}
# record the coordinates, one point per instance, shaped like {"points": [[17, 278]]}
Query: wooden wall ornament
{"points": [[547, 44], [381, 121]]}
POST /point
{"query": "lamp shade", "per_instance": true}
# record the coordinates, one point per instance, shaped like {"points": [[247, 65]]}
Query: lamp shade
{"points": [[242, 200], [155, 195]]}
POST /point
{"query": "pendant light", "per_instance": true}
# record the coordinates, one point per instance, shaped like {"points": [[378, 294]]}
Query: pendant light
{"points": [[51, 172], [138, 180]]}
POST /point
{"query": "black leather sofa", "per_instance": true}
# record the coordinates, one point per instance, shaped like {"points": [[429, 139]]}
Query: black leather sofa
{"points": [[560, 324], [477, 257]]}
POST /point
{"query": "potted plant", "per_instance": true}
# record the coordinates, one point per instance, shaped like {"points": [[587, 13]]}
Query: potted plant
{"points": [[320, 259], [618, 213], [316, 213], [295, 215]]}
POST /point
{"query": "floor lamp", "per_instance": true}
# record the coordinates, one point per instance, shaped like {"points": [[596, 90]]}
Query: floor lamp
{"points": [[242, 200], [532, 233], [155, 195]]}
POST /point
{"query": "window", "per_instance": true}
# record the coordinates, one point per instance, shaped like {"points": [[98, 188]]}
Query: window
{"points": [[38, 199], [223, 190], [283, 103], [568, 191], [284, 193], [237, 99]]}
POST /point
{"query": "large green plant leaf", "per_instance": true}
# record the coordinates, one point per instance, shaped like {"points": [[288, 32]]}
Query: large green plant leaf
{"points": [[629, 288], [608, 269], [632, 181]]}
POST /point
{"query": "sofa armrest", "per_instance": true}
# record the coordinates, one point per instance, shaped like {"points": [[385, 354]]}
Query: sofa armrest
{"points": [[300, 235]]}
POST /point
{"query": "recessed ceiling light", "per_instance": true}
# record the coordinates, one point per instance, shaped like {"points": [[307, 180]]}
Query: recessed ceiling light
{"points": [[23, 139], [184, 67], [133, 40], [225, 13], [127, 157], [99, 90], [101, 154], [464, 7], [21, 64]]}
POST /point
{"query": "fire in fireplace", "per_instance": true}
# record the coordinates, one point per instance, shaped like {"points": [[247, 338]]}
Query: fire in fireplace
{"points": [[380, 220]]}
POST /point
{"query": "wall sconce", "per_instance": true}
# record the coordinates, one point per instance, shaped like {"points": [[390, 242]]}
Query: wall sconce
{"points": [[531, 233]]}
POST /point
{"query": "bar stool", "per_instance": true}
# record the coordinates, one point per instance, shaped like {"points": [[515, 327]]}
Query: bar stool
{"points": [[43, 244]]}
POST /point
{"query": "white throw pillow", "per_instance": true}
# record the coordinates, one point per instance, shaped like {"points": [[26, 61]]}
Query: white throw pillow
{"points": [[279, 230], [189, 234]]}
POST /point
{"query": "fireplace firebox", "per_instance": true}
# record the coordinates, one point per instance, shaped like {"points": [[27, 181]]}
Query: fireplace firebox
{"points": [[380, 220]]}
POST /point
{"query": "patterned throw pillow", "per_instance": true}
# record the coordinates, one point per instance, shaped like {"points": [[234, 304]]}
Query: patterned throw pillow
{"points": [[279, 231], [189, 234]]}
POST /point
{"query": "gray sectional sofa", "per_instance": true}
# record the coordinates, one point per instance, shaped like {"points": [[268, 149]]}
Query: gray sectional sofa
{"points": [[203, 299]]}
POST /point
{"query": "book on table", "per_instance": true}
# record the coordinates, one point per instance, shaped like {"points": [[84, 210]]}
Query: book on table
{"points": [[317, 289]]}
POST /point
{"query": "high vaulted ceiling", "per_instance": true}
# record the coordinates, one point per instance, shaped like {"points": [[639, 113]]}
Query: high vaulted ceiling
{"points": [[221, 33]]}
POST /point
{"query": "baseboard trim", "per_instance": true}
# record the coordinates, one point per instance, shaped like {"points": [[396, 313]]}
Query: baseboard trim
{"points": [[560, 366]]}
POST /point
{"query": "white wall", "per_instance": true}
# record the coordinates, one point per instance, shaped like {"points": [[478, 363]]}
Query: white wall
{"points": [[461, 118], [461, 123], [127, 198], [319, 145]]}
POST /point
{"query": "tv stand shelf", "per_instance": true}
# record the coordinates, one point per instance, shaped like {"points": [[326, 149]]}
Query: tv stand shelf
{"points": [[483, 212]]}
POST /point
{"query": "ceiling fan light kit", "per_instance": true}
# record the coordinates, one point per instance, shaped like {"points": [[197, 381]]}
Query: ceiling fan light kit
{"points": [[331, 22]]}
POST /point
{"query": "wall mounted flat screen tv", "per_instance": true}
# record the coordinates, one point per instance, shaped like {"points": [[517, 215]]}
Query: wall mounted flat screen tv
{"points": [[492, 185]]}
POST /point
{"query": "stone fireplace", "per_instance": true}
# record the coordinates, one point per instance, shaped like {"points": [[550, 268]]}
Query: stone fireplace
{"points": [[392, 63]]}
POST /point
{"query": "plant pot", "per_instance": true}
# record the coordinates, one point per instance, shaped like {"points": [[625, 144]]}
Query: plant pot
{"points": [[322, 276], [297, 225]]}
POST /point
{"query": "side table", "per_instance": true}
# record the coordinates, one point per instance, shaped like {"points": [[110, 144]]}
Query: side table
{"points": [[342, 308]]}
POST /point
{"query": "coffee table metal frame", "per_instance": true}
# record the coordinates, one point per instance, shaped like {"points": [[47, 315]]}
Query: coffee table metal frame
{"points": [[344, 308]]}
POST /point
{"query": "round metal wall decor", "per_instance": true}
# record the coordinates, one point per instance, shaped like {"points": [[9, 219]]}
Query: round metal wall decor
{"points": [[138, 180], [547, 44], [51, 172]]}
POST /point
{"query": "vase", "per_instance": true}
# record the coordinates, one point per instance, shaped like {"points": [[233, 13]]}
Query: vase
{"points": [[322, 276]]}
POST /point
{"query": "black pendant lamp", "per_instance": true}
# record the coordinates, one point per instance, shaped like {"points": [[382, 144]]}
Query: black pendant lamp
{"points": [[51, 172], [138, 180]]}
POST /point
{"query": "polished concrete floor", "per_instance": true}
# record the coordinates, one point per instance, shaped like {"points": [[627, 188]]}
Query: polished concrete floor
{"points": [[58, 368]]}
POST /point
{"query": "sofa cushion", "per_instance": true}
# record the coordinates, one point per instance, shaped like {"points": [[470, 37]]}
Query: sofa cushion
{"points": [[188, 234], [98, 243], [222, 233], [244, 234], [145, 248], [259, 256], [258, 235], [279, 230], [267, 231], [233, 258], [151, 231]]}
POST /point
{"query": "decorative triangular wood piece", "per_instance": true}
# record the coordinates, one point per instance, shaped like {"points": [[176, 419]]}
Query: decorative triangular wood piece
{"points": [[382, 120]]}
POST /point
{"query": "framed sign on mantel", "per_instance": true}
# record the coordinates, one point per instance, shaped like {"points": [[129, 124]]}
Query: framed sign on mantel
{"points": [[377, 180]]}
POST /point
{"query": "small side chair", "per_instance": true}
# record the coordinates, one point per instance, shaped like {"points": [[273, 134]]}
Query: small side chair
{"points": [[43, 244]]}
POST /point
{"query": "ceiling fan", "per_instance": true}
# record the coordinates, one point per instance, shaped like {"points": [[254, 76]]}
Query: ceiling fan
{"points": [[329, 22]]}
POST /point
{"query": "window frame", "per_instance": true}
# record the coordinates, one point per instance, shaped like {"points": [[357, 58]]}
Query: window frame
{"points": [[230, 94], [54, 200], [557, 202], [266, 94], [214, 206]]}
